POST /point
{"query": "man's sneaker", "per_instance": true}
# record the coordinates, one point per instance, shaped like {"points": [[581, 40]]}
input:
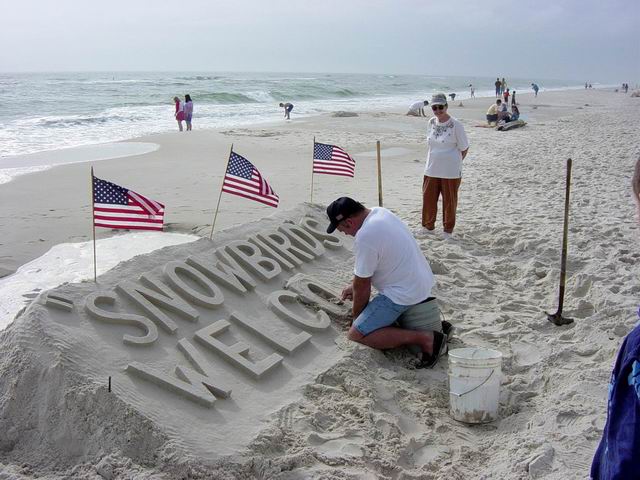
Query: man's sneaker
{"points": [[448, 329], [439, 349]]}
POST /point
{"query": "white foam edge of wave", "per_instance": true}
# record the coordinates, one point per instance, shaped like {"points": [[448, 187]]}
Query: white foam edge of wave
{"points": [[73, 262], [13, 166]]}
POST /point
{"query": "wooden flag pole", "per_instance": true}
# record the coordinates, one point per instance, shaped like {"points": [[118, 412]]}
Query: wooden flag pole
{"points": [[312, 155], [379, 174], [220, 196], [93, 225]]}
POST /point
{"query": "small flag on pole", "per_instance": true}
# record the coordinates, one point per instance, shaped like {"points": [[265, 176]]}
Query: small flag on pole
{"points": [[118, 207], [244, 180], [332, 160]]}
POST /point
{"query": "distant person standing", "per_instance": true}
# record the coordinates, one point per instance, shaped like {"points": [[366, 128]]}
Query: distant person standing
{"points": [[498, 85], [503, 86], [617, 455], [188, 111], [535, 88], [287, 109], [417, 108], [473, 91], [586, 85], [179, 112], [448, 146], [513, 97], [505, 96]]}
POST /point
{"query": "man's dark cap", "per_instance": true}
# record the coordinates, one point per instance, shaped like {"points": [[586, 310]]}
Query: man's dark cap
{"points": [[340, 209]]}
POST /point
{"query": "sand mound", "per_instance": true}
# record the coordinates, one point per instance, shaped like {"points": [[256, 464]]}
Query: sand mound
{"points": [[202, 342]]}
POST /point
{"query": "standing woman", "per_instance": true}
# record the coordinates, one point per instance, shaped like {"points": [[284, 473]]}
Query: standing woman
{"points": [[447, 147], [188, 111], [179, 112]]}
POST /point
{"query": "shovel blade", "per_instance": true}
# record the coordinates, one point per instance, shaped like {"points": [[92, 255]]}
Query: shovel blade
{"points": [[558, 319]]}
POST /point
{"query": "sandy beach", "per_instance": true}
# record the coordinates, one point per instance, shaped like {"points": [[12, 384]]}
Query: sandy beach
{"points": [[331, 408]]}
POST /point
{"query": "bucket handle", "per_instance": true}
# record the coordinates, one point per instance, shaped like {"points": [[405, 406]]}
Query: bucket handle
{"points": [[474, 388]]}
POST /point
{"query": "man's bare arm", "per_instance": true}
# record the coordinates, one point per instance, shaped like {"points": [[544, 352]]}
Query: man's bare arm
{"points": [[361, 294]]}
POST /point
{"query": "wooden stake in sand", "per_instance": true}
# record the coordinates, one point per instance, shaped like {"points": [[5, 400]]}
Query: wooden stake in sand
{"points": [[312, 162], [557, 318], [93, 225], [379, 174], [215, 216]]}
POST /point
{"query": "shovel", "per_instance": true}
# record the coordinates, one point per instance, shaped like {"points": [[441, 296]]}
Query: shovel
{"points": [[557, 318]]}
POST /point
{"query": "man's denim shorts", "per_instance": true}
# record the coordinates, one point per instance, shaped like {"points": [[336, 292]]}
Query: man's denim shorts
{"points": [[379, 313]]}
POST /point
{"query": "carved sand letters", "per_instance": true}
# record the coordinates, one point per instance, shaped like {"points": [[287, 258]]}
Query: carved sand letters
{"points": [[249, 256], [236, 354], [201, 386], [312, 226], [149, 300], [213, 296], [90, 306], [320, 322], [199, 280], [285, 345]]}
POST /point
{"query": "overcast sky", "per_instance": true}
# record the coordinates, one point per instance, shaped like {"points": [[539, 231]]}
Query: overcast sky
{"points": [[565, 39]]}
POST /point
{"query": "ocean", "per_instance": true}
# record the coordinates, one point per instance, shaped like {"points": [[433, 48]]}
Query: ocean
{"points": [[50, 111]]}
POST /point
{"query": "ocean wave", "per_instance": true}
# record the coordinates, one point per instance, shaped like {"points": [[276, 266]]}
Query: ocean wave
{"points": [[228, 98], [77, 120]]}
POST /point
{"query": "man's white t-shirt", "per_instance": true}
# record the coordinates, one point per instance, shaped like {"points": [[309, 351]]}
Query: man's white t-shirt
{"points": [[387, 252], [416, 107], [446, 142]]}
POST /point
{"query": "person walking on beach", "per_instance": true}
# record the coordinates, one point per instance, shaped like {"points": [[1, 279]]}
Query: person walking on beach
{"points": [[388, 258], [617, 456], [448, 146], [188, 111], [535, 88], [473, 90], [287, 109], [498, 87], [417, 108], [179, 114]]}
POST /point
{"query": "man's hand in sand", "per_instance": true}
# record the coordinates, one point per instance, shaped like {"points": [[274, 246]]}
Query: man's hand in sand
{"points": [[347, 292]]}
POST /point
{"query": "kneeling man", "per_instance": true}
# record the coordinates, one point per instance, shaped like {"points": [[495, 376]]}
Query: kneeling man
{"points": [[387, 257]]}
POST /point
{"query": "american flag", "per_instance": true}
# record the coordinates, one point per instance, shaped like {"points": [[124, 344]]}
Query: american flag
{"points": [[244, 180], [118, 207], [332, 160]]}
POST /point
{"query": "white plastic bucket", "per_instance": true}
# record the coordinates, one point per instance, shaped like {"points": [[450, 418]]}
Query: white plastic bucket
{"points": [[474, 384]]}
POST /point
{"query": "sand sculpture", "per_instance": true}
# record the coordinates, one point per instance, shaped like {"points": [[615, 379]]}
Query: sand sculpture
{"points": [[234, 328]]}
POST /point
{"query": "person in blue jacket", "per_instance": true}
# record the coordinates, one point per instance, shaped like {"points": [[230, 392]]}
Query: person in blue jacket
{"points": [[618, 455]]}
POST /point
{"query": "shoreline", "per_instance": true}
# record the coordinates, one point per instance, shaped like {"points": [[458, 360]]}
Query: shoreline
{"points": [[483, 94]]}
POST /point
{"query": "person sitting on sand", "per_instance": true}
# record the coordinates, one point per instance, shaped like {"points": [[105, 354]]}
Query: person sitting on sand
{"points": [[492, 113], [388, 258], [417, 109], [617, 455], [515, 113], [503, 113], [287, 109]]}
